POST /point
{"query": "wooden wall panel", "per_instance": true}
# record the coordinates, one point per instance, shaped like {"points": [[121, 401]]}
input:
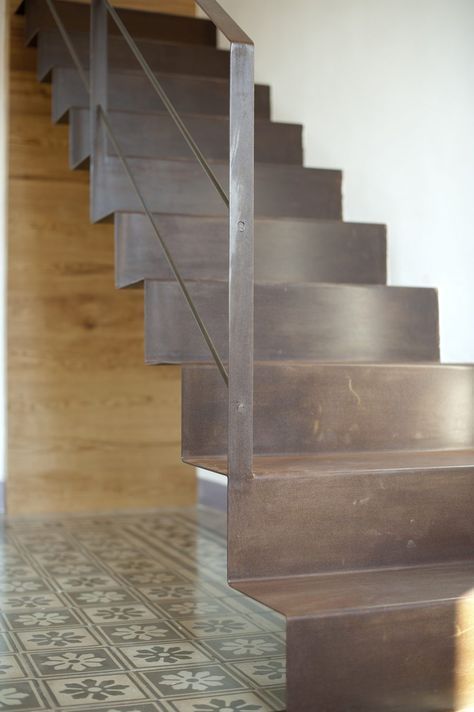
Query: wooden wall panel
{"points": [[90, 427]]}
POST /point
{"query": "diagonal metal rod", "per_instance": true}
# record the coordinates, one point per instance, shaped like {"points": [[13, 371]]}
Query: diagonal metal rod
{"points": [[168, 255], [67, 41], [167, 102]]}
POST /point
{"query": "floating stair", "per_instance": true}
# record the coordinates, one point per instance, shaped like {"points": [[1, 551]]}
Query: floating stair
{"points": [[311, 322], [155, 136], [357, 522], [280, 190], [190, 94], [328, 250]]}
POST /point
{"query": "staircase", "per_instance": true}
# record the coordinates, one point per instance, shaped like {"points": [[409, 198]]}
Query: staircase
{"points": [[355, 520]]}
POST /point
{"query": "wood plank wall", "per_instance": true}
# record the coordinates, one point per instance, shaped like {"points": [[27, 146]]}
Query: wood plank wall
{"points": [[90, 427]]}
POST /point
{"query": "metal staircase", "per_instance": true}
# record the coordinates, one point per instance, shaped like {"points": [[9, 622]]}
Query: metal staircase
{"points": [[348, 447]]}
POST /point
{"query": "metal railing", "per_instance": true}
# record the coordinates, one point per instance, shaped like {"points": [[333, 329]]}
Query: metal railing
{"points": [[240, 202]]}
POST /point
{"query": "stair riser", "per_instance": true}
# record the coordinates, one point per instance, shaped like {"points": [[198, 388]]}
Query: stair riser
{"points": [[297, 322], [181, 187], [330, 408], [156, 26], [405, 660], [340, 522], [132, 89], [162, 57], [327, 251], [156, 136]]}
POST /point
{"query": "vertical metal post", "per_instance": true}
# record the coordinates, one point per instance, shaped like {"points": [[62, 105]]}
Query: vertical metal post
{"points": [[241, 261], [98, 93]]}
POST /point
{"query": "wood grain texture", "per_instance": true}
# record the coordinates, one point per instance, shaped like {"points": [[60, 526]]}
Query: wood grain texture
{"points": [[90, 427]]}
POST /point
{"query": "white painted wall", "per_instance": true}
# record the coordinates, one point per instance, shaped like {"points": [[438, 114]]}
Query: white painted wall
{"points": [[3, 208], [385, 90]]}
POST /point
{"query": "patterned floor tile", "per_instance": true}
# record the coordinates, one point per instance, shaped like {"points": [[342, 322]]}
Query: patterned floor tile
{"points": [[163, 592], [111, 596], [147, 707], [194, 608], [10, 668], [14, 571], [69, 691], [154, 578], [18, 602], [266, 621], [163, 654], [203, 678], [56, 639], [240, 648], [278, 694], [18, 586], [144, 632], [264, 672], [136, 565], [43, 619], [70, 569], [212, 627], [22, 696], [131, 613], [85, 582], [88, 660], [5, 643], [61, 560], [119, 614], [241, 702]]}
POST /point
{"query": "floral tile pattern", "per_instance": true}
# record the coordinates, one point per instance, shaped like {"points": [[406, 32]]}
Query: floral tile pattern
{"points": [[248, 702], [204, 678], [131, 613], [157, 655]]}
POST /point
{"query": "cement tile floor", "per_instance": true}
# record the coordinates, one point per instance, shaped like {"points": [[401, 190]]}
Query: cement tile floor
{"points": [[131, 613]]}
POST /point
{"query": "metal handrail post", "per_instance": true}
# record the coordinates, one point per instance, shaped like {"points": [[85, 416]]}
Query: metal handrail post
{"points": [[241, 241], [98, 92], [241, 262]]}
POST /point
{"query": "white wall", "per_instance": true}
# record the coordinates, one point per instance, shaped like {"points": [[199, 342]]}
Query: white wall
{"points": [[385, 90], [3, 205]]}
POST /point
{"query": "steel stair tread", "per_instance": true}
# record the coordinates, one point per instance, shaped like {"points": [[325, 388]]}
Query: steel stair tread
{"points": [[153, 134], [322, 595], [161, 55], [280, 189], [329, 251], [340, 463], [142, 24], [190, 93], [297, 320]]}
